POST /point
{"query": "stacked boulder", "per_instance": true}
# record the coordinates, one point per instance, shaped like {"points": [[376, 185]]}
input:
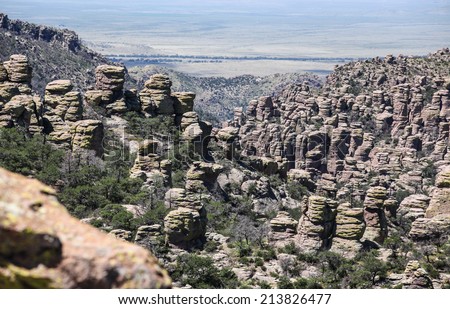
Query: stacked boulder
{"points": [[374, 215], [350, 228], [156, 98], [282, 229], [440, 198], [60, 115], [315, 228], [18, 69], [17, 105], [109, 90], [185, 226], [62, 118]]}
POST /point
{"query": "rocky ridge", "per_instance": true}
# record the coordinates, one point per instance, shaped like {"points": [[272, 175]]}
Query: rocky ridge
{"points": [[53, 53]]}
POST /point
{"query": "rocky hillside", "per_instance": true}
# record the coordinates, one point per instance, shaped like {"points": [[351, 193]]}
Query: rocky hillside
{"points": [[218, 96], [342, 186], [53, 53]]}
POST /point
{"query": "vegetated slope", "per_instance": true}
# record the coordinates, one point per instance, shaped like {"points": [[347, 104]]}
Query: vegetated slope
{"points": [[218, 96], [53, 53]]}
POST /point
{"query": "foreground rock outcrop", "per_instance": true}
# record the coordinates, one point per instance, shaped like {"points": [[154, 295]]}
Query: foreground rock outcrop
{"points": [[42, 246]]}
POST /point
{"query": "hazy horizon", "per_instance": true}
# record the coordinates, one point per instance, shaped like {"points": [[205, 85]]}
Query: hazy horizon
{"points": [[285, 28]]}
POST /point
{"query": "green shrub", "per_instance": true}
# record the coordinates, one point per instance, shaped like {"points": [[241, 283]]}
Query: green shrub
{"points": [[296, 190], [289, 248], [201, 273], [29, 156], [211, 246], [267, 254], [259, 262]]}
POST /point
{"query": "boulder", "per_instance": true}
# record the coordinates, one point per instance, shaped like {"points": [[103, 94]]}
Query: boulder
{"points": [[184, 225], [425, 229], [374, 215], [42, 246], [315, 227], [59, 87], [283, 223], [158, 82], [146, 231]]}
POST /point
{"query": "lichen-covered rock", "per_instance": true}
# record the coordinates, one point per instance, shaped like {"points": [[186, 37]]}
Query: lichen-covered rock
{"points": [[61, 106], [201, 175], [175, 197], [158, 82], [42, 246], [349, 222], [147, 231], [443, 178], [283, 223], [122, 234], [184, 225], [59, 87], [350, 227], [17, 112], [156, 97], [374, 215]]}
